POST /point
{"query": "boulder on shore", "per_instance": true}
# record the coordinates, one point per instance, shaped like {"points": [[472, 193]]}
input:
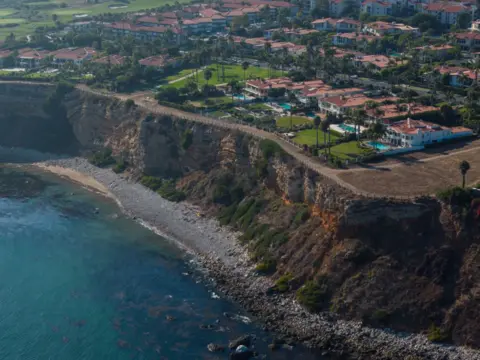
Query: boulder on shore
{"points": [[242, 340]]}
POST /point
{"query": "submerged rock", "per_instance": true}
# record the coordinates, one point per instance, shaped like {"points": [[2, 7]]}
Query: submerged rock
{"points": [[215, 347], [242, 340]]}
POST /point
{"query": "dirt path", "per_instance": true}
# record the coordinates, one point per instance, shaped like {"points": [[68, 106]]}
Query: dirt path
{"points": [[187, 76]]}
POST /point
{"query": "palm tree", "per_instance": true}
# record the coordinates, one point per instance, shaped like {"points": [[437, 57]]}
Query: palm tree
{"points": [[464, 167], [207, 74], [377, 130], [292, 98], [245, 66], [325, 129], [316, 122], [358, 119]]}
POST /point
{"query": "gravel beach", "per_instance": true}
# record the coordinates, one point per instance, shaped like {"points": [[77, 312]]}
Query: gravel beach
{"points": [[227, 263]]}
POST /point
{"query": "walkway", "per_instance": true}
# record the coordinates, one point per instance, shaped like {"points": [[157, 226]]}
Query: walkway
{"points": [[187, 76]]}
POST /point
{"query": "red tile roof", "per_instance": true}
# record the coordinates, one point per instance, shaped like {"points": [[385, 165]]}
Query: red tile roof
{"points": [[155, 61], [114, 60], [450, 8], [411, 126], [73, 53]]}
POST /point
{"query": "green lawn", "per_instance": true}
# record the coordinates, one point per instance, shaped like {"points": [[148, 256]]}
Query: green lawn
{"points": [[24, 28], [6, 12], [349, 150], [308, 137], [180, 74], [232, 72], [284, 122], [257, 107], [11, 21]]}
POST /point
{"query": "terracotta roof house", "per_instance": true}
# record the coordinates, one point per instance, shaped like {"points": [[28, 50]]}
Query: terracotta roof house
{"points": [[411, 133], [75, 56], [113, 60], [159, 62]]}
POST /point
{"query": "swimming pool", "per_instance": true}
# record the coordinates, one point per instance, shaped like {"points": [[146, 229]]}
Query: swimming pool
{"points": [[378, 146], [285, 106], [347, 128]]}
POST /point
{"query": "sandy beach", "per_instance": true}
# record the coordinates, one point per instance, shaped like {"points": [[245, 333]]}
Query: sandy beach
{"points": [[77, 177]]}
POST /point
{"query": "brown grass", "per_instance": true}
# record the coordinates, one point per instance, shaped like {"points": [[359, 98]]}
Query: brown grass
{"points": [[417, 178]]}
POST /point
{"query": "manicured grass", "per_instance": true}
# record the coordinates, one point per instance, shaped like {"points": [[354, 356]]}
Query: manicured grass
{"points": [[180, 74], [284, 122], [12, 21], [232, 72], [257, 107], [308, 137], [6, 12], [24, 28], [349, 150]]}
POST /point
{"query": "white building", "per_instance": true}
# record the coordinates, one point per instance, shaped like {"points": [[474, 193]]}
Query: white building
{"points": [[418, 133], [380, 28], [336, 25], [446, 13], [376, 7]]}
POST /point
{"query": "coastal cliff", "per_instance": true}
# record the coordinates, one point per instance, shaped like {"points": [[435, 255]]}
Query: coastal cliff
{"points": [[411, 266]]}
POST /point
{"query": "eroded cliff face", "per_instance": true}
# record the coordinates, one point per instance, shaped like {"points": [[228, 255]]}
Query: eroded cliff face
{"points": [[402, 264]]}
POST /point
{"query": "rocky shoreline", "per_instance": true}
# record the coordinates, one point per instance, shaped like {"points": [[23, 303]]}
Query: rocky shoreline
{"points": [[227, 263]]}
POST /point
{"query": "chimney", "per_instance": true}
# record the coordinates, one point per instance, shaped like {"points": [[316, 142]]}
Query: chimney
{"points": [[409, 125]]}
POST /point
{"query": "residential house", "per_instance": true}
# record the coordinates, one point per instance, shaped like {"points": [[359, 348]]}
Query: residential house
{"points": [[336, 25], [447, 13], [433, 52], [376, 7], [468, 41], [390, 113], [376, 62], [159, 62], [145, 33], [353, 39], [343, 104], [76, 56], [458, 76], [113, 60], [411, 133], [475, 25], [259, 88], [31, 59], [380, 28], [292, 34]]}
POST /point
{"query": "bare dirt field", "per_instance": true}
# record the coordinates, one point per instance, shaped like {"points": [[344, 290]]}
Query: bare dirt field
{"points": [[417, 176]]}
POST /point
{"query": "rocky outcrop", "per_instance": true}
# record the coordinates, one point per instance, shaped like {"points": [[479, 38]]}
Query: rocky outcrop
{"points": [[408, 265]]}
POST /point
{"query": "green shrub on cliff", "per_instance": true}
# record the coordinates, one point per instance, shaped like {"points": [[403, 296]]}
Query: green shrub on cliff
{"points": [[102, 158], [456, 196], [301, 216], [187, 139], [165, 188], [129, 103], [436, 334], [270, 148], [283, 283], [267, 266], [152, 182], [313, 294], [120, 166]]}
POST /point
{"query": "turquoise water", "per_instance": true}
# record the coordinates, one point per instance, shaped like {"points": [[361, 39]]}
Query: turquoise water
{"points": [[378, 146], [347, 127], [80, 282], [285, 106]]}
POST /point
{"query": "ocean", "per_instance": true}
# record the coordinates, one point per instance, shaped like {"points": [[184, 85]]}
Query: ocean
{"points": [[80, 281]]}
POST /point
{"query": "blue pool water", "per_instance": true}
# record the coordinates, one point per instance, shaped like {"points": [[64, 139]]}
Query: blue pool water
{"points": [[82, 282], [378, 146], [347, 128], [285, 106]]}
